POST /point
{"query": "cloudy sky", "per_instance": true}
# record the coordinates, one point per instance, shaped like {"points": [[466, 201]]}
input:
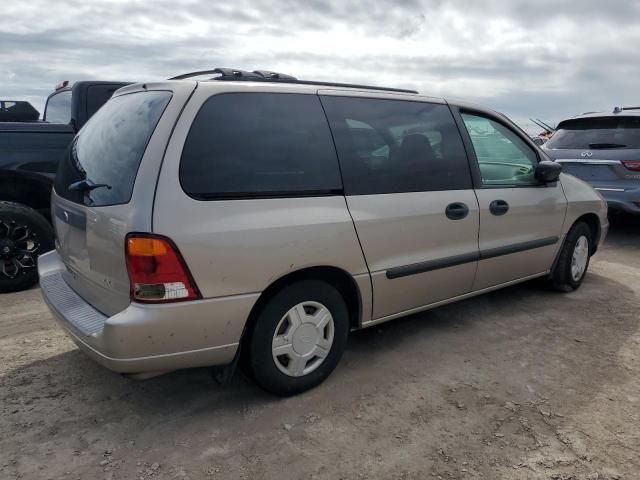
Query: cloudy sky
{"points": [[546, 59]]}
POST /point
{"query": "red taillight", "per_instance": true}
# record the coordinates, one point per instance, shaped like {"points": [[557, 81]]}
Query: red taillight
{"points": [[632, 164], [157, 272]]}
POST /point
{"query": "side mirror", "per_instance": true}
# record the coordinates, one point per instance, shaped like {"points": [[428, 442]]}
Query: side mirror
{"points": [[547, 171]]}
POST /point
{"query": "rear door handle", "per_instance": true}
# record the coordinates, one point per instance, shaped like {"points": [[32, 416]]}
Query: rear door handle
{"points": [[456, 211], [498, 207]]}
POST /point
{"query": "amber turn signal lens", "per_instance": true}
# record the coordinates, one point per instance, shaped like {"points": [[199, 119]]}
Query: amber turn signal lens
{"points": [[145, 247]]}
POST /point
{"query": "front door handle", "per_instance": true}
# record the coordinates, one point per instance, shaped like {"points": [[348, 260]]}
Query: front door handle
{"points": [[498, 207], [456, 211]]}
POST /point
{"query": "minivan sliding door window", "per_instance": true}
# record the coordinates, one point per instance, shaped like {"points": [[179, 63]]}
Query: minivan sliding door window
{"points": [[392, 146]]}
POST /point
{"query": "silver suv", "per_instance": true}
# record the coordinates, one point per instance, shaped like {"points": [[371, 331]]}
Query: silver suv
{"points": [[258, 217]]}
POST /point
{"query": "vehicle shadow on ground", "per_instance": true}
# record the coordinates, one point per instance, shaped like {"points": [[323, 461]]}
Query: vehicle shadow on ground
{"points": [[481, 323]]}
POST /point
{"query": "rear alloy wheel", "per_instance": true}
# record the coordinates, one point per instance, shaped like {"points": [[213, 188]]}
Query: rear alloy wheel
{"points": [[24, 234], [573, 260], [303, 338], [298, 338]]}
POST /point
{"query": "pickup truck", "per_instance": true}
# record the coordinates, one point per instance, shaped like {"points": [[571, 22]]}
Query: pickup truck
{"points": [[30, 150]]}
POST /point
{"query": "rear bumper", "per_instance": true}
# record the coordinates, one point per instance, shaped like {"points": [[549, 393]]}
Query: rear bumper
{"points": [[627, 201], [147, 338]]}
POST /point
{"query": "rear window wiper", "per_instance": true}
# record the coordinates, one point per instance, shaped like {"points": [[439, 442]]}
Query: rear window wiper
{"points": [[606, 145], [87, 186]]}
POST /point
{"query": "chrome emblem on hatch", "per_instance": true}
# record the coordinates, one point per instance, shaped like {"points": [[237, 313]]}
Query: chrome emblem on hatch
{"points": [[587, 154]]}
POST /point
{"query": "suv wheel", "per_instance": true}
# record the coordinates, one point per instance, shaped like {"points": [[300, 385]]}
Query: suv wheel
{"points": [[298, 338], [573, 261], [24, 234]]}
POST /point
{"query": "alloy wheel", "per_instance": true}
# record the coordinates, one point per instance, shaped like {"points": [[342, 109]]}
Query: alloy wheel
{"points": [[579, 258], [303, 339], [19, 247]]}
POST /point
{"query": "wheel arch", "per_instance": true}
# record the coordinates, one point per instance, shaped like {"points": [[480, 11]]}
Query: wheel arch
{"points": [[593, 222], [334, 276]]}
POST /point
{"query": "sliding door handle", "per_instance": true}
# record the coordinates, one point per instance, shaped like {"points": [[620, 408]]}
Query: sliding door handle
{"points": [[498, 207], [456, 211]]}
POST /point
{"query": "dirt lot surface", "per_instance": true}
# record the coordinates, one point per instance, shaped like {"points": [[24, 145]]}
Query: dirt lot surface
{"points": [[517, 384]]}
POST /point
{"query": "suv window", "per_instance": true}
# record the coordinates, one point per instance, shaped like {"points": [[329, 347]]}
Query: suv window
{"points": [[259, 144], [393, 146], [109, 148], [594, 133], [504, 158], [58, 109]]}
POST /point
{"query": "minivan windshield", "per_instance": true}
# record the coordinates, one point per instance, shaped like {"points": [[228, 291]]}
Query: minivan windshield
{"points": [[597, 133], [107, 152]]}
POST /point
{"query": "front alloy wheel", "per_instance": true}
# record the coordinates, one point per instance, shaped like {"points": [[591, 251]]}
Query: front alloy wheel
{"points": [[573, 259], [580, 258]]}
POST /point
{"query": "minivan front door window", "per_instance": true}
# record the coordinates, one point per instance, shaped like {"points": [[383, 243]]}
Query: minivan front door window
{"points": [[503, 157]]}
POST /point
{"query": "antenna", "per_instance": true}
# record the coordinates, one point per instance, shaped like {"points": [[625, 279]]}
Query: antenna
{"points": [[540, 125], [551, 129]]}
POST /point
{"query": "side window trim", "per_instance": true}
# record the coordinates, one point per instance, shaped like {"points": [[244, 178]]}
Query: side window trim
{"points": [[471, 153]]}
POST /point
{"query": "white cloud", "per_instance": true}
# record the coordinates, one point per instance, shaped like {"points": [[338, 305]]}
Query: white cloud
{"points": [[546, 59]]}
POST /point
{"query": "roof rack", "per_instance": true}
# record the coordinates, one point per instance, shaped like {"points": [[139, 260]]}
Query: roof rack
{"points": [[234, 74]]}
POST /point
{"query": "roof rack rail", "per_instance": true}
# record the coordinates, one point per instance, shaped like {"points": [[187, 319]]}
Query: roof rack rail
{"points": [[235, 74]]}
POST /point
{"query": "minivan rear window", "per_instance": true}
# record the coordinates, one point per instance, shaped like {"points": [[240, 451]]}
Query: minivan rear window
{"points": [[259, 145], [109, 148], [597, 133]]}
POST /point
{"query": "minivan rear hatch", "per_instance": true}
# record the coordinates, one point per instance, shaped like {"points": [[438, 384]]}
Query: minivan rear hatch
{"points": [[604, 150], [96, 201]]}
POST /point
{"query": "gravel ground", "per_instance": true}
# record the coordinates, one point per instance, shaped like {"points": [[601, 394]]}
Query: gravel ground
{"points": [[517, 384]]}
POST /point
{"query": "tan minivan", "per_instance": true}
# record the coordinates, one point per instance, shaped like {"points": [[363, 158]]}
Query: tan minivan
{"points": [[255, 215]]}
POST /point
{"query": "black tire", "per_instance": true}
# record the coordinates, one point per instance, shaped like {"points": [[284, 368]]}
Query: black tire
{"points": [[562, 278], [262, 366], [20, 227]]}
